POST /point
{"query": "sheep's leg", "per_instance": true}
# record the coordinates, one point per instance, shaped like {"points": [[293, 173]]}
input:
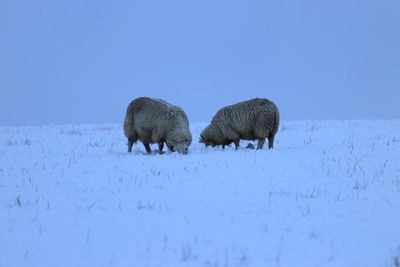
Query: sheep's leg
{"points": [[160, 147], [147, 147], [261, 142], [131, 140], [223, 146], [170, 147], [236, 142], [130, 144], [271, 142], [232, 136]]}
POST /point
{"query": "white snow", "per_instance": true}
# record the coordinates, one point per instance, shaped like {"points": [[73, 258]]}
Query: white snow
{"points": [[328, 194]]}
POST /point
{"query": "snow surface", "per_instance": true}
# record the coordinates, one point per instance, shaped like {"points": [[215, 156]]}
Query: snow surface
{"points": [[327, 195]]}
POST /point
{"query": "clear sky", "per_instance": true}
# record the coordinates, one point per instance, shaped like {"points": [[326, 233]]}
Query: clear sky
{"points": [[83, 61]]}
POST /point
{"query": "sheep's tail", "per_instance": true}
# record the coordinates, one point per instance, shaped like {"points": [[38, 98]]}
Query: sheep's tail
{"points": [[129, 129]]}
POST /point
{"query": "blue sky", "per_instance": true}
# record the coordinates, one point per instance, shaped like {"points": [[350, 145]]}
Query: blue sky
{"points": [[83, 61]]}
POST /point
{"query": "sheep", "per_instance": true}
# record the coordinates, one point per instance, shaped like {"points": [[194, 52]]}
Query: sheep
{"points": [[157, 121], [249, 120]]}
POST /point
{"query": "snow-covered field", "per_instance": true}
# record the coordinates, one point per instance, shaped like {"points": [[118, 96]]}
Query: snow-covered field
{"points": [[327, 195]]}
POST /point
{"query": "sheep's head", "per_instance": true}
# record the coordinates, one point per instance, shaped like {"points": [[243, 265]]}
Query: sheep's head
{"points": [[179, 140], [211, 136], [206, 141]]}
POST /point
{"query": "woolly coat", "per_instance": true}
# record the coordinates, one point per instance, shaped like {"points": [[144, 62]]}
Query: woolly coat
{"points": [[255, 119], [156, 121]]}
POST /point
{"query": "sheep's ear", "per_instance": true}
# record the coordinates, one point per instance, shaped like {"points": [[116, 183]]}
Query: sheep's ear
{"points": [[202, 140]]}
